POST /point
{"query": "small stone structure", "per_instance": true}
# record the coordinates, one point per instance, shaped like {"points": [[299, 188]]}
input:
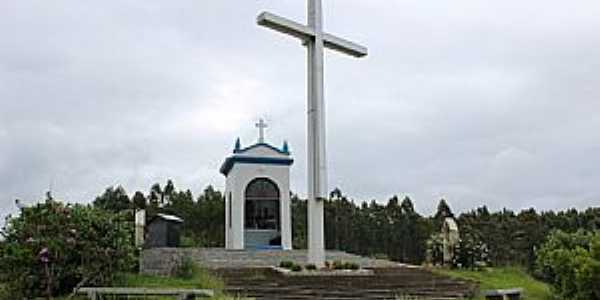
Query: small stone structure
{"points": [[163, 231], [450, 240]]}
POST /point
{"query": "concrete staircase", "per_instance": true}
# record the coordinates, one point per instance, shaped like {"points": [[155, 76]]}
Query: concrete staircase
{"points": [[248, 274], [387, 283]]}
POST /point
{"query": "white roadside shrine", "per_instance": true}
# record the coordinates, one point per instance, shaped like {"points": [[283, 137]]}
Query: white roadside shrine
{"points": [[257, 196], [315, 40]]}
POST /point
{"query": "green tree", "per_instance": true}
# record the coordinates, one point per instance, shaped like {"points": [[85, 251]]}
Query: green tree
{"points": [[114, 199], [155, 197], [168, 191], [299, 222], [50, 248], [571, 263], [139, 200], [211, 206]]}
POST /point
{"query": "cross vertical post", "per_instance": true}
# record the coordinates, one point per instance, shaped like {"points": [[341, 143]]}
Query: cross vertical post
{"points": [[316, 164], [315, 40]]}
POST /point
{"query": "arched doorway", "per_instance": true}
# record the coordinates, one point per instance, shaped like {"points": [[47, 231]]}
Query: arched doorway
{"points": [[262, 220]]}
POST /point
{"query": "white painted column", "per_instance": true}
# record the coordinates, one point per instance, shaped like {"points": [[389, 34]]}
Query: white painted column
{"points": [[238, 217], [317, 164], [140, 225], [286, 219], [228, 217]]}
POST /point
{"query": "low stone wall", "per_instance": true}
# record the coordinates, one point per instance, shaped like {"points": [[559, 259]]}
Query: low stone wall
{"points": [[164, 261]]}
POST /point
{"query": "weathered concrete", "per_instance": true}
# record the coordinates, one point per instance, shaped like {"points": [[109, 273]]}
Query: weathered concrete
{"points": [[162, 261], [249, 274], [324, 272], [391, 283]]}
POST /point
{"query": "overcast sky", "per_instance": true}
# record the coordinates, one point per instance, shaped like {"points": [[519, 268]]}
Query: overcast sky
{"points": [[480, 102]]}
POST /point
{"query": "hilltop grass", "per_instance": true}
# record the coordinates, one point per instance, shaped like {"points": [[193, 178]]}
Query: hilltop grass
{"points": [[201, 279], [504, 278]]}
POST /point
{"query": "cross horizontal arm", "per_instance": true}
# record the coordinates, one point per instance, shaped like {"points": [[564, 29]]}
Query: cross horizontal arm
{"points": [[306, 33], [339, 44], [284, 25]]}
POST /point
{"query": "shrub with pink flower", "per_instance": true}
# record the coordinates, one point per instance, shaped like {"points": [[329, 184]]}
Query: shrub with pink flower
{"points": [[52, 247]]}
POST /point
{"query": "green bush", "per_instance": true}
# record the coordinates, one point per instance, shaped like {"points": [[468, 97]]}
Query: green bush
{"points": [[338, 265], [54, 247], [4, 293], [310, 267], [186, 269], [191, 241], [296, 268], [286, 264], [570, 262]]}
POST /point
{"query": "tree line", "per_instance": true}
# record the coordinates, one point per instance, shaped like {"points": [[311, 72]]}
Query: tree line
{"points": [[52, 247], [390, 229], [204, 215]]}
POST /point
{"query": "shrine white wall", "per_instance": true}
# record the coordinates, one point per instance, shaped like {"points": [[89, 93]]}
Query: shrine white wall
{"points": [[238, 178]]}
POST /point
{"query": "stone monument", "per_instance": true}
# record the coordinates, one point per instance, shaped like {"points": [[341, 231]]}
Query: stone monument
{"points": [[450, 240]]}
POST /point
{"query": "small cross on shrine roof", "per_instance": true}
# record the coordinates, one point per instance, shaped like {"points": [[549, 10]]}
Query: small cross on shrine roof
{"points": [[261, 125]]}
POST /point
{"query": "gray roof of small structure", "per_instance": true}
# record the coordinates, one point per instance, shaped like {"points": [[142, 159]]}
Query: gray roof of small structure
{"points": [[170, 218]]}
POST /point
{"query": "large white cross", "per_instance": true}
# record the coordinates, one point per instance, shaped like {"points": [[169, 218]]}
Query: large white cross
{"points": [[315, 39]]}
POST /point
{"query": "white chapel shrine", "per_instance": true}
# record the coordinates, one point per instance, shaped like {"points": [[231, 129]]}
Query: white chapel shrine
{"points": [[257, 196]]}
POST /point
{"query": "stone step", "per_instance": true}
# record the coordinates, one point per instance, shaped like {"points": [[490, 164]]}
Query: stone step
{"points": [[249, 274], [385, 284]]}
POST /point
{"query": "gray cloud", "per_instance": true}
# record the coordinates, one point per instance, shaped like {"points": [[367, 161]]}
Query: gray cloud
{"points": [[479, 102]]}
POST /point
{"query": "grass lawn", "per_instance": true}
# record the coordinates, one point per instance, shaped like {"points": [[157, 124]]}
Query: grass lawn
{"points": [[503, 278], [201, 279]]}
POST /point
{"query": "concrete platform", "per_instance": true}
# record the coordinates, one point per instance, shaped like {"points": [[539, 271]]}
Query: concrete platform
{"points": [[161, 261]]}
